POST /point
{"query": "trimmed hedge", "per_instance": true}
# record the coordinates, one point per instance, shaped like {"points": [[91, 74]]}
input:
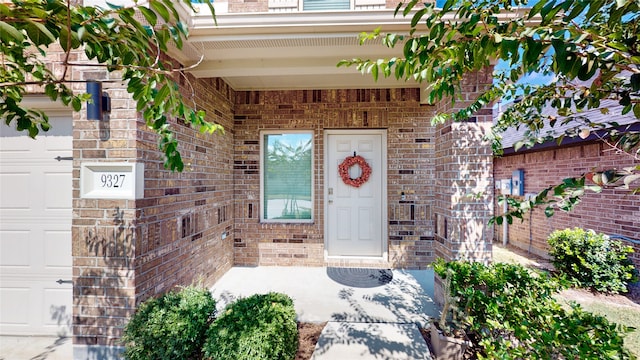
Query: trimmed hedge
{"points": [[261, 327], [591, 260], [172, 326]]}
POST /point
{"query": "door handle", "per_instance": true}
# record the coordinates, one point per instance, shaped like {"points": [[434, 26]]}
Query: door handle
{"points": [[60, 281]]}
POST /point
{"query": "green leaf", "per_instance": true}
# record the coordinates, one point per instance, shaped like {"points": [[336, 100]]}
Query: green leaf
{"points": [[44, 31], [151, 16], [64, 39], [408, 8], [162, 94], [635, 82], [588, 69], [81, 32], [533, 51], [518, 145], [548, 211], [9, 33], [160, 9], [417, 16], [636, 110], [114, 6], [76, 103]]}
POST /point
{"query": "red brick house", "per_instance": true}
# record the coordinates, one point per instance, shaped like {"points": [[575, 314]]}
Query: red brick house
{"points": [[269, 76], [613, 211]]}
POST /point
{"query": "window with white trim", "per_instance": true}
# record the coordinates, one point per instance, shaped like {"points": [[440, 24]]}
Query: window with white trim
{"points": [[286, 164], [311, 5]]}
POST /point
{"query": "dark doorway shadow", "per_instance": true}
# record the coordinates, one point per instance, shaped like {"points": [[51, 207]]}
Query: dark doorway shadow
{"points": [[360, 277]]}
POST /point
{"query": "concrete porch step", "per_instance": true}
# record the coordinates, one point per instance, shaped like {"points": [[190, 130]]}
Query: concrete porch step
{"points": [[352, 340]]}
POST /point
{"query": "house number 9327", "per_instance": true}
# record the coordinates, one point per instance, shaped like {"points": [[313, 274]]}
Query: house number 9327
{"points": [[112, 180]]}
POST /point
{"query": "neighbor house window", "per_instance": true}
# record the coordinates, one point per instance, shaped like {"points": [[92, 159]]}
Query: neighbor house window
{"points": [[286, 191], [311, 5]]}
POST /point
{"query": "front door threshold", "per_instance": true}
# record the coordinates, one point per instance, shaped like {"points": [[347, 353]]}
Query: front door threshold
{"points": [[377, 262], [355, 257]]}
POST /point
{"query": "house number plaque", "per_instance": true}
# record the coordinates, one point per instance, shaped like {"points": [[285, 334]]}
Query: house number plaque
{"points": [[120, 180]]}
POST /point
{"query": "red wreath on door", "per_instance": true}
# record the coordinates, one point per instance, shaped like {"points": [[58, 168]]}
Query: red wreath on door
{"points": [[343, 170]]}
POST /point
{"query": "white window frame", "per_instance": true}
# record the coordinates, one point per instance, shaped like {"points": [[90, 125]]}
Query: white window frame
{"points": [[298, 5], [263, 219]]}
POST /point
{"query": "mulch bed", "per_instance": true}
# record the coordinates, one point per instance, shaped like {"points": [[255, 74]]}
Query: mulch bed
{"points": [[308, 334]]}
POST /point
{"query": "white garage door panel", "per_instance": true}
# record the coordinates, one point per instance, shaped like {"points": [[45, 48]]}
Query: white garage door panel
{"points": [[33, 190], [40, 246], [36, 308], [16, 299], [57, 194], [35, 231], [14, 188], [57, 250], [57, 311], [14, 249]]}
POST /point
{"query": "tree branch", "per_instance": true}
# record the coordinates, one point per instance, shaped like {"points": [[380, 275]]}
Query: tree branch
{"points": [[41, 83], [68, 51]]}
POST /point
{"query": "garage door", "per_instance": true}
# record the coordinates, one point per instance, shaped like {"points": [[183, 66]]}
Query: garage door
{"points": [[35, 231]]}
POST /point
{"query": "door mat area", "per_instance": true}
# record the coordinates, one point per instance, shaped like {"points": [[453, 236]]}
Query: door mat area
{"points": [[360, 277]]}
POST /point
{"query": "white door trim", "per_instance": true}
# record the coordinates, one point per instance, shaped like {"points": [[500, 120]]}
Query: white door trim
{"points": [[384, 223]]}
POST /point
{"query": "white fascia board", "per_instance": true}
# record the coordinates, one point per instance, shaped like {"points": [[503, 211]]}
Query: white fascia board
{"points": [[203, 28]]}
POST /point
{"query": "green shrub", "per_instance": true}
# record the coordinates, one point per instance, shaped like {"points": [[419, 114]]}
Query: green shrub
{"points": [[172, 326], [260, 327], [509, 312], [591, 260]]}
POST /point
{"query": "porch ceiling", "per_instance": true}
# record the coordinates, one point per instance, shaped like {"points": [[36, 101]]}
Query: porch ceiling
{"points": [[277, 51]]}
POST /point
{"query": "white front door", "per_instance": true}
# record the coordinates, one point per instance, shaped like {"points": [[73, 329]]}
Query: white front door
{"points": [[35, 231], [355, 216]]}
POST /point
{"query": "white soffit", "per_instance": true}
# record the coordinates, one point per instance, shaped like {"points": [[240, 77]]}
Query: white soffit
{"points": [[300, 50]]}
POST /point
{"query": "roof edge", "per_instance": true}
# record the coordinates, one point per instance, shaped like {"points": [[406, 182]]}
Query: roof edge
{"points": [[570, 141]]}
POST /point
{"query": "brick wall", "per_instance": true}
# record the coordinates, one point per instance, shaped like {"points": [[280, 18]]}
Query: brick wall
{"points": [[185, 222], [247, 6], [464, 184], [410, 170], [125, 251], [610, 212]]}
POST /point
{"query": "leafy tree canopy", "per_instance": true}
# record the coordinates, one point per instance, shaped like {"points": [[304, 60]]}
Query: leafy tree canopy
{"points": [[132, 40], [591, 47]]}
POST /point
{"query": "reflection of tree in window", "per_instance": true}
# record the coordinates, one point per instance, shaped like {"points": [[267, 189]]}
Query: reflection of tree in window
{"points": [[287, 184]]}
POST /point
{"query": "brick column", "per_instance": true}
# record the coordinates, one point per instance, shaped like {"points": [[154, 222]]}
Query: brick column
{"points": [[180, 233], [103, 231], [464, 168]]}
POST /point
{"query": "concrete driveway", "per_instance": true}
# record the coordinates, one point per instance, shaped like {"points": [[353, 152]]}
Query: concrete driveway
{"points": [[35, 348]]}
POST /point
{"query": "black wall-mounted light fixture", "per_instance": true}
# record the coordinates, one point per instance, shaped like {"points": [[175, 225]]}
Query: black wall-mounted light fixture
{"points": [[100, 101]]}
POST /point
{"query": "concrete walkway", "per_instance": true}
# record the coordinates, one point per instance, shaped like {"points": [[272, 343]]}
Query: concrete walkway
{"points": [[371, 314]]}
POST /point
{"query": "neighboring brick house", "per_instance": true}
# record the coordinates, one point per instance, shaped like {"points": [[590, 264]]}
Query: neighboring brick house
{"points": [[613, 211], [269, 77]]}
